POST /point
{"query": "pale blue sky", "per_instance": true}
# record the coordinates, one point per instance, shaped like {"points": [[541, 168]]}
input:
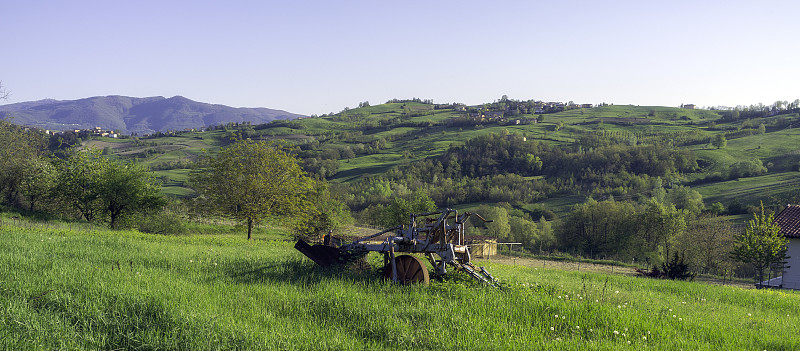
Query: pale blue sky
{"points": [[315, 57]]}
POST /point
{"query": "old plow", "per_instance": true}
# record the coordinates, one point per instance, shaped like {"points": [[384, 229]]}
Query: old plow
{"points": [[439, 236]]}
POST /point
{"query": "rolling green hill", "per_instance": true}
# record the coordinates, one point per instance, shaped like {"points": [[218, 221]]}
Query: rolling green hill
{"points": [[365, 143]]}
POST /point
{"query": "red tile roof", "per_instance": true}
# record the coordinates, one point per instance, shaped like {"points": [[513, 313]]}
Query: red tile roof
{"points": [[789, 221]]}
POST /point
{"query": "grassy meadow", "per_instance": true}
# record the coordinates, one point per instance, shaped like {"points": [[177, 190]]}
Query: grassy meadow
{"points": [[76, 287]]}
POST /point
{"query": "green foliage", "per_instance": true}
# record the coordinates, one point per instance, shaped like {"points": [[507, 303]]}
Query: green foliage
{"points": [[397, 212], [165, 223], [749, 168], [677, 268], [252, 180], [327, 214], [21, 152], [706, 245], [761, 244], [622, 230], [719, 141], [685, 198], [101, 189]]}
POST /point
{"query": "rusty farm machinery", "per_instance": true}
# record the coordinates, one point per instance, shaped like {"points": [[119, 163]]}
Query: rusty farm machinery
{"points": [[440, 239]]}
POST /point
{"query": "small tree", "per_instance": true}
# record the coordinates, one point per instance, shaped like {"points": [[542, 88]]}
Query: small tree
{"points": [[250, 181], [761, 245], [719, 141], [127, 188]]}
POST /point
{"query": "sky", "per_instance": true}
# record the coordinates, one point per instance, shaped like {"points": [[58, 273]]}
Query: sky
{"points": [[316, 57]]}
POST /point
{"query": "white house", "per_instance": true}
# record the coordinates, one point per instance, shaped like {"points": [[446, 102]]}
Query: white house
{"points": [[789, 221]]}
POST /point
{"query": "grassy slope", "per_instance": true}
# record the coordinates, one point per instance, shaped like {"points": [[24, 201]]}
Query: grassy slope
{"points": [[413, 143], [61, 288]]}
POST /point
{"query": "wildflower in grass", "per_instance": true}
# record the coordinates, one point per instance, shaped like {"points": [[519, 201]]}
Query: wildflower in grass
{"points": [[558, 339], [749, 314], [673, 316], [680, 319], [577, 327], [552, 328], [616, 332], [644, 338], [629, 342], [616, 292]]}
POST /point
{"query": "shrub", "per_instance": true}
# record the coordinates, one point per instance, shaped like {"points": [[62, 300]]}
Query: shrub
{"points": [[676, 268], [162, 223]]}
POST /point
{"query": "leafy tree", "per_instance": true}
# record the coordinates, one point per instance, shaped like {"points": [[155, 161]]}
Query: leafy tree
{"points": [[717, 208], [250, 181], [79, 182], [684, 198], [599, 229], [707, 243], [127, 188], [399, 210], [38, 182], [102, 189], [524, 231], [327, 213], [660, 225], [499, 227], [20, 150], [761, 244], [719, 141]]}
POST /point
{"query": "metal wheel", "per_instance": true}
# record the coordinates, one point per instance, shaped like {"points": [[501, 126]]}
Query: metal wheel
{"points": [[410, 270]]}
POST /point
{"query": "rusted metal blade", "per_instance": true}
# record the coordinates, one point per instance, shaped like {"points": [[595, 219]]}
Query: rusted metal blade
{"points": [[322, 255]]}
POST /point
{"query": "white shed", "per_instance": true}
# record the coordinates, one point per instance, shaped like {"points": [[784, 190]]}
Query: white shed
{"points": [[789, 221]]}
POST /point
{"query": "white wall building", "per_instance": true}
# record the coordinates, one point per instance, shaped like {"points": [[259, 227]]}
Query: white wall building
{"points": [[789, 221]]}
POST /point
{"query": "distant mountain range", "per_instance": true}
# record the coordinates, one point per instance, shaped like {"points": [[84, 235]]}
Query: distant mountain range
{"points": [[132, 115]]}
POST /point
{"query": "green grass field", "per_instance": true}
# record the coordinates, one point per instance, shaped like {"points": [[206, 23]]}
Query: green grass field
{"points": [[64, 287]]}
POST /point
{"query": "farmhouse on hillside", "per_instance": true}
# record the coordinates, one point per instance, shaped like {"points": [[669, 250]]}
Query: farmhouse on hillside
{"points": [[789, 221]]}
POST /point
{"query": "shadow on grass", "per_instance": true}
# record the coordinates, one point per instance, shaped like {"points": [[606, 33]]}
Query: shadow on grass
{"points": [[298, 271]]}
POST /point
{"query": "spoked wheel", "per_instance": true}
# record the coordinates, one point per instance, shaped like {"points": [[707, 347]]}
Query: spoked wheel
{"points": [[410, 270]]}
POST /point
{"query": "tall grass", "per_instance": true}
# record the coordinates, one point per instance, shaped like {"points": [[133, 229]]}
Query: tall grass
{"points": [[63, 288]]}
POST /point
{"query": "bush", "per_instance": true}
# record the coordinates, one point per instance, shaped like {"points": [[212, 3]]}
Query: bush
{"points": [[162, 223], [677, 268]]}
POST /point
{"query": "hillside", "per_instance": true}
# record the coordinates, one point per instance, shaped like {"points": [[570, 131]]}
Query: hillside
{"points": [[133, 115], [364, 143], [67, 287]]}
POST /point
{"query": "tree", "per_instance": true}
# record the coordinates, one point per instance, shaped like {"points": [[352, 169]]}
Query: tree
{"points": [[661, 224], [399, 210], [78, 182], [761, 244], [719, 141], [328, 213], [707, 244], [20, 150], [127, 188], [3, 92], [102, 189], [250, 181]]}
